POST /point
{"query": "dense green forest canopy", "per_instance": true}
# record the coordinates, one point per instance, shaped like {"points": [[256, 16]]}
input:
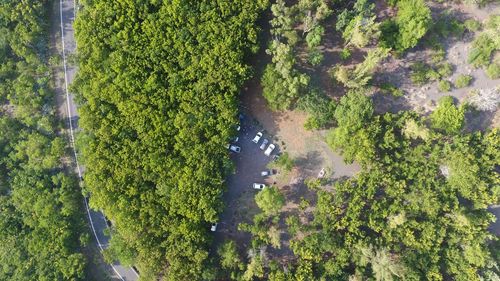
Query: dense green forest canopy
{"points": [[41, 223], [158, 85]]}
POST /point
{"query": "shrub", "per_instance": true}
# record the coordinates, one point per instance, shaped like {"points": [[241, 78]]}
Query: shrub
{"points": [[472, 25], [445, 70], [463, 81], [315, 57], [285, 162], [388, 88], [345, 54], [447, 117], [444, 86], [493, 70], [419, 72], [482, 47]]}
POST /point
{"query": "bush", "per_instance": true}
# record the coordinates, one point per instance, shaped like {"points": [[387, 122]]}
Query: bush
{"points": [[445, 70], [493, 70], [463, 81], [388, 88], [345, 54], [472, 25], [482, 47], [285, 162], [444, 86], [315, 57], [447, 117]]}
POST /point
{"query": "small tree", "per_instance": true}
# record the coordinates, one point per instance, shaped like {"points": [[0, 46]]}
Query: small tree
{"points": [[447, 117]]}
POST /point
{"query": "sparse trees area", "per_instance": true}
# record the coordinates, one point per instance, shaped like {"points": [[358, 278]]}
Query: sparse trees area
{"points": [[42, 228]]}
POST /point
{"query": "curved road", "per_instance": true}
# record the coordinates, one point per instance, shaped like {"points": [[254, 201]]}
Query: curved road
{"points": [[68, 110]]}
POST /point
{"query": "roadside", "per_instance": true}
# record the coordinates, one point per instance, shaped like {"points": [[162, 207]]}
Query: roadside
{"points": [[63, 45]]}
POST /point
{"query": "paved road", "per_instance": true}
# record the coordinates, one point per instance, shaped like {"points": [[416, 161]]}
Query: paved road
{"points": [[67, 109]]}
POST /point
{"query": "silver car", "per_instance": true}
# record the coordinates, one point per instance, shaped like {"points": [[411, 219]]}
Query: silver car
{"points": [[263, 145]]}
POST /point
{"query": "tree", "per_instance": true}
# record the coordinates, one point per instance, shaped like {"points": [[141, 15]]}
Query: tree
{"points": [[362, 73], [353, 111], [270, 200], [411, 24], [447, 117], [230, 259]]}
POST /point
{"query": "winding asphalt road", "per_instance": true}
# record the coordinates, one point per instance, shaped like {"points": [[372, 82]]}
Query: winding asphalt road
{"points": [[68, 110]]}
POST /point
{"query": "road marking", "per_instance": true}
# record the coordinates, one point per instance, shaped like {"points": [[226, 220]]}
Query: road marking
{"points": [[72, 136]]}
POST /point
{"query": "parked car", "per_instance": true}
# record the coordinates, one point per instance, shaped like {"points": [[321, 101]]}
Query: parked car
{"points": [[267, 173], [238, 128], [233, 148], [213, 227], [263, 145], [269, 149], [236, 139], [259, 186], [257, 137]]}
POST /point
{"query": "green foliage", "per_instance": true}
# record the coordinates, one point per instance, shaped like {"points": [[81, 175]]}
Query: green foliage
{"points": [[445, 70], [447, 26], [270, 200], [345, 54], [493, 70], [472, 25], [388, 88], [230, 260], [285, 162], [482, 48], [313, 38], [353, 111], [422, 73], [41, 224], [362, 73], [462, 81], [282, 83], [320, 109], [282, 91], [444, 86], [486, 43], [402, 216], [447, 117], [411, 23], [158, 85], [315, 57]]}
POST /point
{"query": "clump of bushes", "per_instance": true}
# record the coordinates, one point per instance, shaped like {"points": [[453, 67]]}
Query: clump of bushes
{"points": [[444, 86], [472, 25], [493, 70], [423, 73], [390, 89], [463, 81]]}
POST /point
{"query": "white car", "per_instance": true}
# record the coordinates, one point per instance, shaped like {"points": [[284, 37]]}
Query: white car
{"points": [[236, 139], [257, 137], [213, 227], [264, 143], [269, 149], [233, 148], [259, 186]]}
